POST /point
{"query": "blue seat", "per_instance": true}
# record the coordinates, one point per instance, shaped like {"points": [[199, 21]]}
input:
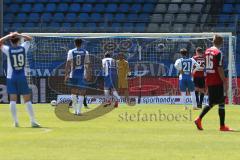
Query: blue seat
{"points": [[13, 8], [58, 17], [92, 1], [103, 1], [38, 7], [135, 8], [148, 8], [70, 17], [108, 17], [83, 17], [123, 8], [51, 7], [33, 17], [140, 27], [78, 1], [96, 17], [140, 1], [87, 8], [7, 1], [16, 26], [91, 27], [144, 17], [6, 27], [227, 8], [223, 18], [26, 8], [8, 17], [46, 17], [62, 7], [74, 7], [111, 8], [54, 24], [116, 27], [129, 1], [21, 17], [237, 8], [29, 25], [120, 17], [99, 8], [128, 27], [132, 17], [66, 25], [78, 25], [103, 27]]}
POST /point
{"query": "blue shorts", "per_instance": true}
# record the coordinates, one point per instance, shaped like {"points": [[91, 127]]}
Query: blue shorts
{"points": [[18, 85], [110, 82], [186, 84], [77, 81]]}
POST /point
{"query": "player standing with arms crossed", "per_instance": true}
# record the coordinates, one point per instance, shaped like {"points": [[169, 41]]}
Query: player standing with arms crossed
{"points": [[185, 67], [123, 71], [16, 79], [77, 70], [216, 83], [199, 80], [110, 78]]}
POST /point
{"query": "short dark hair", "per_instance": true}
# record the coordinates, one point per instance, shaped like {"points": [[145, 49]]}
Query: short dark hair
{"points": [[15, 39], [78, 42], [107, 55], [184, 51], [217, 40], [199, 50]]}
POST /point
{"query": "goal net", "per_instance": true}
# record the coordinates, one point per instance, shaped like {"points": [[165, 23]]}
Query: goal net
{"points": [[151, 58]]}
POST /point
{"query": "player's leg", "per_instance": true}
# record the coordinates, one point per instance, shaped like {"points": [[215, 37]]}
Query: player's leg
{"points": [[81, 93], [114, 89], [183, 88], [107, 87], [192, 93], [74, 92], [85, 102], [202, 91], [28, 103], [196, 90], [221, 109], [12, 91], [13, 108], [212, 100]]}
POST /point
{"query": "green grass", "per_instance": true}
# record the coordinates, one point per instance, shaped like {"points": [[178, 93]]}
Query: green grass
{"points": [[111, 137]]}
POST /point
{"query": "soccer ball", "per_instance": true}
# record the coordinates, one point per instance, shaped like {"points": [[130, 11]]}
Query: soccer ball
{"points": [[54, 103]]}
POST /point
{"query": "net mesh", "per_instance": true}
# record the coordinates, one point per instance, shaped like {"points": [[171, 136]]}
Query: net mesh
{"points": [[151, 61]]}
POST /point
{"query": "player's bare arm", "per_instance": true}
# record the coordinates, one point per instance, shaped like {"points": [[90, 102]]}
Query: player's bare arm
{"points": [[10, 35]]}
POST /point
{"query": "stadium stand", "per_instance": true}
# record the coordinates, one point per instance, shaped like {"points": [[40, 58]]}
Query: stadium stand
{"points": [[124, 15]]}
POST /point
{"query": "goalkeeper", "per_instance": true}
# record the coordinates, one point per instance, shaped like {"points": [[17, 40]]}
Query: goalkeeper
{"points": [[123, 71]]}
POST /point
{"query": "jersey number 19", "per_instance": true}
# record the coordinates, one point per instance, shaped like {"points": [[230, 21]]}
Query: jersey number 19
{"points": [[18, 60]]}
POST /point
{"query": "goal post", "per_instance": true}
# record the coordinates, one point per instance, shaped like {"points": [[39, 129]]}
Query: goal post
{"points": [[167, 40]]}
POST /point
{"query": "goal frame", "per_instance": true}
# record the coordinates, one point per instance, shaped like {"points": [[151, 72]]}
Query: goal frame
{"points": [[156, 35]]}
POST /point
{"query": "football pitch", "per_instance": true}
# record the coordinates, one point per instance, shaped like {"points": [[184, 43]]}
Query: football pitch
{"points": [[142, 132]]}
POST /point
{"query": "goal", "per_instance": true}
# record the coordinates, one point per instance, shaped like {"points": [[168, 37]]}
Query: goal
{"points": [[151, 58]]}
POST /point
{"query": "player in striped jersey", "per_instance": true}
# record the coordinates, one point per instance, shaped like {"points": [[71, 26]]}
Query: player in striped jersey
{"points": [[77, 72], [199, 80], [16, 78], [185, 67], [110, 78]]}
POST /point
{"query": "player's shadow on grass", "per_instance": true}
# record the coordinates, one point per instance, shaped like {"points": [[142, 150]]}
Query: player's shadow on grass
{"points": [[63, 113]]}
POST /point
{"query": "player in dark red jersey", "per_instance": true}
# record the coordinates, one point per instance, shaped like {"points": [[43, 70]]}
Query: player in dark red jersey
{"points": [[198, 75], [216, 83]]}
